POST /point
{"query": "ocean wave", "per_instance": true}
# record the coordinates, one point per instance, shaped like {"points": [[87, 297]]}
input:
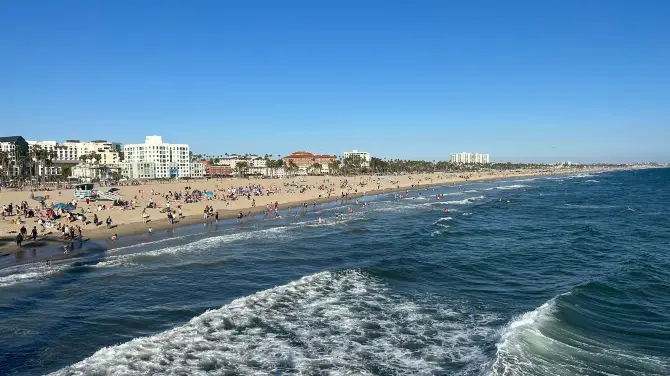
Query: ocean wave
{"points": [[35, 272], [586, 206], [540, 343], [513, 186], [464, 201], [342, 323]]}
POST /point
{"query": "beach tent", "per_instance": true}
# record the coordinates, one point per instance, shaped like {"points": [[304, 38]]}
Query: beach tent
{"points": [[196, 193], [209, 193]]}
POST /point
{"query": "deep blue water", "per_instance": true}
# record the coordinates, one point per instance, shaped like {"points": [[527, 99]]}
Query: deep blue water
{"points": [[550, 276]]}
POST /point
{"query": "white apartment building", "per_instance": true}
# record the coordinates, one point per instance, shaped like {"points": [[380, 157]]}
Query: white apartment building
{"points": [[198, 170], [470, 158], [364, 157], [156, 160], [71, 151], [252, 161]]}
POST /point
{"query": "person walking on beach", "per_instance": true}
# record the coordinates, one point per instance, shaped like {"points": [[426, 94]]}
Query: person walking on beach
{"points": [[19, 240], [34, 233], [216, 217], [108, 221]]}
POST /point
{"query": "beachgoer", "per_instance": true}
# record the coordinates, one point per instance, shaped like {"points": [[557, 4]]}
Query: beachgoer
{"points": [[34, 232], [108, 221], [114, 237], [19, 239]]}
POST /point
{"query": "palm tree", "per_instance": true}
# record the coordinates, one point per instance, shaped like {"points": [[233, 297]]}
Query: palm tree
{"points": [[48, 158], [333, 166], [316, 168], [4, 162], [292, 167], [35, 157], [241, 167]]}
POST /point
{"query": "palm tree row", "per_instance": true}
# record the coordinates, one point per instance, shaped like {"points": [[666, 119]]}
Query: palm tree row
{"points": [[33, 161]]}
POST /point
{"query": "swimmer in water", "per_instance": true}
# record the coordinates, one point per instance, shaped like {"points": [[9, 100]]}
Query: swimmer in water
{"points": [[320, 220], [446, 211], [114, 237]]}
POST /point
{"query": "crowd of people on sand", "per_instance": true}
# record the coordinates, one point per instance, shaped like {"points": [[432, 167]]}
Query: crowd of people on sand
{"points": [[76, 217]]}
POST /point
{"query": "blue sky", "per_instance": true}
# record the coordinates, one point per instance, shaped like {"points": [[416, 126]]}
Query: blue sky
{"points": [[522, 80]]}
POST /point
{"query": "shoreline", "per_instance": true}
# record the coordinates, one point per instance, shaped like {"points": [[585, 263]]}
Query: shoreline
{"points": [[8, 246]]}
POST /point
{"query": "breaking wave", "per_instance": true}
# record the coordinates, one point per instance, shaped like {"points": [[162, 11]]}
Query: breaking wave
{"points": [[339, 323], [543, 342]]}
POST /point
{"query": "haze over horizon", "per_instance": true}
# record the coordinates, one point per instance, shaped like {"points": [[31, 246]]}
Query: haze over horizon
{"points": [[522, 81]]}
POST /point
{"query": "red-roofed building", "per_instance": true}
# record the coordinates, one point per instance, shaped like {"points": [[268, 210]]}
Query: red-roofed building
{"points": [[304, 159], [216, 170]]}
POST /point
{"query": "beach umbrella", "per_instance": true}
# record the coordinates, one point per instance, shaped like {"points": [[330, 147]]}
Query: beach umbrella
{"points": [[197, 193], [39, 198], [209, 194]]}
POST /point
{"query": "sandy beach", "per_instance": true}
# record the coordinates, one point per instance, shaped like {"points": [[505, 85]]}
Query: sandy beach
{"points": [[287, 194]]}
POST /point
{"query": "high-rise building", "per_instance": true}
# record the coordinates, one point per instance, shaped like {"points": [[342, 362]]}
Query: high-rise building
{"points": [[155, 160], [470, 158]]}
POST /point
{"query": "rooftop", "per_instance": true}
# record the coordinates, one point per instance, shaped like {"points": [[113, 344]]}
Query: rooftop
{"points": [[12, 139]]}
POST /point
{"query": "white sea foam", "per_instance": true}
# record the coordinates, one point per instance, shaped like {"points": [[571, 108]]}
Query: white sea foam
{"points": [[338, 323], [464, 201], [199, 246], [513, 186], [29, 272], [124, 257], [591, 181]]}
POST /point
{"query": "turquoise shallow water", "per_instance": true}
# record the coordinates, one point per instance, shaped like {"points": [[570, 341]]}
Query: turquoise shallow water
{"points": [[549, 276]]}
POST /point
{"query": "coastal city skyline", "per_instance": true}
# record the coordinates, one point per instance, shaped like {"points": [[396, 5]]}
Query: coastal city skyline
{"points": [[412, 81]]}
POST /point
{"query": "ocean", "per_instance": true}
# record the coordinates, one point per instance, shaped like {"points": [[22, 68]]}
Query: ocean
{"points": [[561, 275]]}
